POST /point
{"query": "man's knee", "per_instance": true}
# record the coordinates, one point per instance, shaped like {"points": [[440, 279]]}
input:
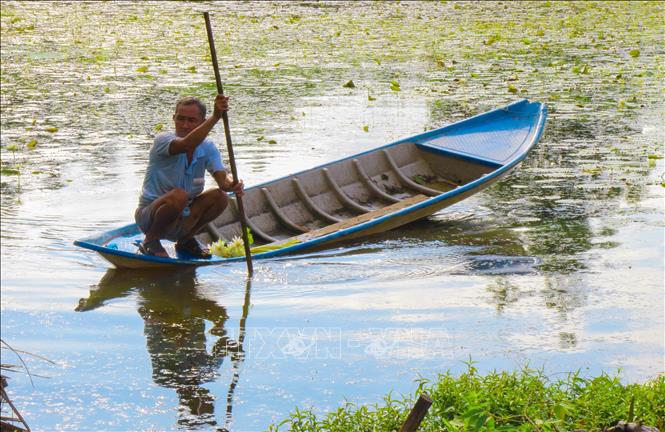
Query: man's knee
{"points": [[221, 201], [178, 198]]}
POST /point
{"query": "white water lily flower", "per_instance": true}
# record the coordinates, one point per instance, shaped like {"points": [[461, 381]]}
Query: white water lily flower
{"points": [[235, 248], [217, 248]]}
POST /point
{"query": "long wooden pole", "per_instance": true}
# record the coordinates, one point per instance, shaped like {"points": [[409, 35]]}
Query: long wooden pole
{"points": [[229, 145]]}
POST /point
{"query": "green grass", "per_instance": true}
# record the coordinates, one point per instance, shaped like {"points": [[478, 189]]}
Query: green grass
{"points": [[526, 400]]}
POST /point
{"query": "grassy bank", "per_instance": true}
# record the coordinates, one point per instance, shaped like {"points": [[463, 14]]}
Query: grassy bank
{"points": [[526, 400]]}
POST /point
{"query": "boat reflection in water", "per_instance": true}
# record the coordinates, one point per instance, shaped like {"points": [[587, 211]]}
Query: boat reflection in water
{"points": [[175, 314]]}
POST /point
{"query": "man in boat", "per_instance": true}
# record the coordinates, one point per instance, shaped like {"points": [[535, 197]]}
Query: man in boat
{"points": [[172, 204]]}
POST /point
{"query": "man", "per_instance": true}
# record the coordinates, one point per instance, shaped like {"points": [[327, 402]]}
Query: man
{"points": [[172, 205]]}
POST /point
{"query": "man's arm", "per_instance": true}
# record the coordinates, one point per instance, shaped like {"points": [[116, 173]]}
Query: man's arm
{"points": [[188, 143], [226, 183]]}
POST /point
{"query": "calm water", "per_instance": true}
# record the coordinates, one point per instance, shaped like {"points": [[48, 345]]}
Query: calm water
{"points": [[560, 266]]}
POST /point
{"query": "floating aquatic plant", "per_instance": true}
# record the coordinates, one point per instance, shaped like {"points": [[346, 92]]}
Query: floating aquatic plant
{"points": [[234, 248]]}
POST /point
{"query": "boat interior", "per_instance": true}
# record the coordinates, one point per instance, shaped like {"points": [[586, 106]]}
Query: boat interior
{"points": [[345, 193]]}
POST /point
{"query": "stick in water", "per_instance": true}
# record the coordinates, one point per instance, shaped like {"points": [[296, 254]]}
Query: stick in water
{"points": [[229, 146]]}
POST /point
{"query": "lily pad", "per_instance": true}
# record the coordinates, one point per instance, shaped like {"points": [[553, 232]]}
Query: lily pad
{"points": [[10, 171], [593, 171]]}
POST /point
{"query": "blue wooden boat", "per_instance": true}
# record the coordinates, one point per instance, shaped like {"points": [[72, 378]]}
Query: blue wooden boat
{"points": [[363, 194]]}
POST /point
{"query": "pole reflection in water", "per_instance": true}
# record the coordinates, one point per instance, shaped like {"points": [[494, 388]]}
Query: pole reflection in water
{"points": [[175, 314]]}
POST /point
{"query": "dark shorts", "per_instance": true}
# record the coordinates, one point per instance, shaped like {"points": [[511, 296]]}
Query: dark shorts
{"points": [[143, 217]]}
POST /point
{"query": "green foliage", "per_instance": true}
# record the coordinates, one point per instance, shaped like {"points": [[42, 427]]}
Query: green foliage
{"points": [[234, 248], [419, 179], [525, 400], [250, 237], [492, 39]]}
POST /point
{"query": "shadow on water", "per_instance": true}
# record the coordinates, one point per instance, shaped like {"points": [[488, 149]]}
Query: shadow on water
{"points": [[175, 313]]}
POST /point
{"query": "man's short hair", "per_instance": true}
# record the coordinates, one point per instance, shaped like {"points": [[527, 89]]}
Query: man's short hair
{"points": [[189, 100]]}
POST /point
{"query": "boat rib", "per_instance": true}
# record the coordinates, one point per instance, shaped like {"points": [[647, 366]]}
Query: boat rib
{"points": [[311, 205], [252, 226], [284, 219], [371, 185], [407, 181], [341, 195]]}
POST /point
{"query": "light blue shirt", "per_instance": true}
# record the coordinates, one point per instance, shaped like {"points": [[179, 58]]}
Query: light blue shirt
{"points": [[166, 171]]}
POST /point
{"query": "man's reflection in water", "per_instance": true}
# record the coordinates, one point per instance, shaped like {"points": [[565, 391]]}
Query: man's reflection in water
{"points": [[175, 314]]}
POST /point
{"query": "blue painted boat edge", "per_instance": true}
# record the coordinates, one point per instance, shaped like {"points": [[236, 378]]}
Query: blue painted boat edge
{"points": [[95, 243]]}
